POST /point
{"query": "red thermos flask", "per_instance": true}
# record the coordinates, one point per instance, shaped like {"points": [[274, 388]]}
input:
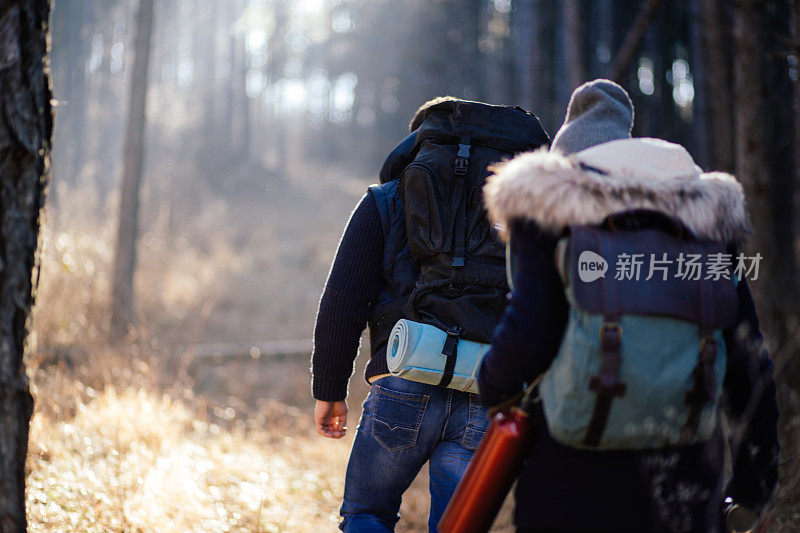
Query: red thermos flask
{"points": [[490, 474]]}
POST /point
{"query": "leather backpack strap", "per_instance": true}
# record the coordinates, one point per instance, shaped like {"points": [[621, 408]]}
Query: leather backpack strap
{"points": [[704, 380], [605, 385]]}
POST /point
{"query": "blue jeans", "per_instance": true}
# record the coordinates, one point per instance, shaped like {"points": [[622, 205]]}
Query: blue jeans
{"points": [[403, 425]]}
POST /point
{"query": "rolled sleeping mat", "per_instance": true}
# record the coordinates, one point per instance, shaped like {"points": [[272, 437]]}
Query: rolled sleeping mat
{"points": [[414, 352]]}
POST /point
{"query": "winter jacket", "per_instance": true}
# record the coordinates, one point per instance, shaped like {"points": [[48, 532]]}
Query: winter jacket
{"points": [[537, 197]]}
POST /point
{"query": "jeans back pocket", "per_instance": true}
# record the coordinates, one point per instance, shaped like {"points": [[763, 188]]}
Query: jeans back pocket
{"points": [[397, 417], [477, 424]]}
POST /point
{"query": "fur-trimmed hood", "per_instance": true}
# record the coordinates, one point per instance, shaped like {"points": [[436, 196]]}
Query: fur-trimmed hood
{"points": [[557, 191]]}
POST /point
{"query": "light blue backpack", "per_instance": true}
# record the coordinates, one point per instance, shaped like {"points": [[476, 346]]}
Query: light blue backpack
{"points": [[641, 362]]}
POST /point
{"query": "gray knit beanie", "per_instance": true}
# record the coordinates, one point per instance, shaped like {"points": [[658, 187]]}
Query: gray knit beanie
{"points": [[599, 111]]}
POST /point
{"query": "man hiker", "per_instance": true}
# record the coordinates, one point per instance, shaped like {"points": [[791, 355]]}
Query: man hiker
{"points": [[634, 349], [418, 246]]}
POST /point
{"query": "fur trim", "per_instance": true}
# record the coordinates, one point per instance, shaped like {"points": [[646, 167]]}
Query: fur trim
{"points": [[555, 192]]}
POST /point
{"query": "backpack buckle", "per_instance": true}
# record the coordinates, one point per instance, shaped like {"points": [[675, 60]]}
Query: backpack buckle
{"points": [[611, 333], [462, 157], [708, 347], [461, 165], [453, 335]]}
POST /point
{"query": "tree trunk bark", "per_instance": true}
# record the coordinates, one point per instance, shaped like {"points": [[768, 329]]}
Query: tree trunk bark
{"points": [[795, 16], [105, 130], [525, 47], [77, 101], [576, 70], [72, 48], [662, 29], [761, 167], [604, 28], [228, 145], [26, 127], [717, 86], [782, 168], [796, 100], [751, 166], [125, 256], [209, 85], [471, 57], [245, 122], [633, 40], [699, 131]]}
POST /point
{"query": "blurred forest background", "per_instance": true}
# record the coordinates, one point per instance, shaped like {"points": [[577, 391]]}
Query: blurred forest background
{"points": [[207, 154]]}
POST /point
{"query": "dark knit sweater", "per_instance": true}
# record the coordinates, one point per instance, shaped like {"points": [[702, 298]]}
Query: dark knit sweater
{"points": [[353, 283]]}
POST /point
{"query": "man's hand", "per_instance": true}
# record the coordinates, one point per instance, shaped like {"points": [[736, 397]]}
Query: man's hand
{"points": [[331, 418]]}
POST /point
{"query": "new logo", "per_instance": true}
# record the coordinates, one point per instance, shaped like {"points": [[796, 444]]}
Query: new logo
{"points": [[591, 266]]}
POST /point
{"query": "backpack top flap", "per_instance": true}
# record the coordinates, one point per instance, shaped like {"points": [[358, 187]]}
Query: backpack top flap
{"points": [[649, 272], [510, 129], [461, 285]]}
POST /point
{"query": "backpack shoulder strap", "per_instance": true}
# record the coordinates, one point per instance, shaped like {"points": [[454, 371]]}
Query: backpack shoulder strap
{"points": [[382, 194]]}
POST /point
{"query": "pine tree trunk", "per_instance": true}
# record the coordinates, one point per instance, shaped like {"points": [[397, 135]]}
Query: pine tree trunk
{"points": [[77, 103], [782, 161], [525, 43], [105, 130], [228, 145], [751, 167], [604, 37], [761, 165], [127, 234], [71, 53], [245, 132], [25, 138], [573, 37], [699, 130], [716, 44], [471, 56], [209, 80], [633, 39], [795, 16]]}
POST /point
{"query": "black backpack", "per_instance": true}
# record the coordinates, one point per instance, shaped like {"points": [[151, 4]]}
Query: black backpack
{"points": [[462, 285]]}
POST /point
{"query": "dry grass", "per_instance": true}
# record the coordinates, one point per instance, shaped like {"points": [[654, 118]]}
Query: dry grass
{"points": [[125, 439], [134, 460], [129, 458], [130, 440]]}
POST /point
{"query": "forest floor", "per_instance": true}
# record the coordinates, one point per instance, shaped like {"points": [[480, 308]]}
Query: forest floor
{"points": [[145, 438], [129, 458], [124, 456]]}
